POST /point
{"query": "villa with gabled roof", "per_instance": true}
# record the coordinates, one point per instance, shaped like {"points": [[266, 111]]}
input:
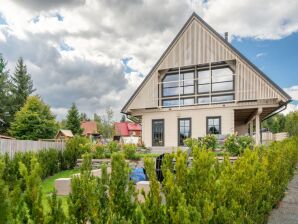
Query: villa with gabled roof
{"points": [[203, 85]]}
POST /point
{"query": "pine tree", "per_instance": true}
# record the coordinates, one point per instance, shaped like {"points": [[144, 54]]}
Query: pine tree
{"points": [[73, 122], [121, 190], [56, 214], [34, 121], [33, 192], [5, 112], [22, 85], [4, 195], [123, 118]]}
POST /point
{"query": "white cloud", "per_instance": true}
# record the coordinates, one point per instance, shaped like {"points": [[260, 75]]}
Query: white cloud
{"points": [[264, 19], [293, 92], [261, 54], [102, 33], [290, 108]]}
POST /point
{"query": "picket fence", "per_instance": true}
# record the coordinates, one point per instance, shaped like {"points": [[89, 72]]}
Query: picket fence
{"points": [[11, 146]]}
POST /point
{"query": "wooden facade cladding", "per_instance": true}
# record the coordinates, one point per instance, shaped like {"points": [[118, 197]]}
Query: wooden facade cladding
{"points": [[195, 45]]}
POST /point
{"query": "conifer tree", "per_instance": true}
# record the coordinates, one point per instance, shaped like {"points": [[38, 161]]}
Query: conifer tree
{"points": [[5, 98], [22, 85], [73, 121], [33, 192], [56, 214], [4, 197], [121, 190], [34, 121]]}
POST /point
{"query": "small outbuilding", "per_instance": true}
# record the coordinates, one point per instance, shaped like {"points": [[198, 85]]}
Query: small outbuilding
{"points": [[64, 134]]}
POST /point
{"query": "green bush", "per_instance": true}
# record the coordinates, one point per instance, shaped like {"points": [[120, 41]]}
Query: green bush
{"points": [[205, 191], [113, 146], [99, 151], [208, 142], [130, 151], [75, 148], [49, 162], [237, 144]]}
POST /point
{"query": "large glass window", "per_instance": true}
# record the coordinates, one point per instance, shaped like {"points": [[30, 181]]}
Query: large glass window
{"points": [[204, 81], [205, 87], [184, 130], [158, 132], [218, 80], [175, 102], [213, 125], [170, 86], [223, 98]]}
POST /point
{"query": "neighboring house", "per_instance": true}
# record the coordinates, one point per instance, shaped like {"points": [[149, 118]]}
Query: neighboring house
{"points": [[64, 134], [202, 85], [90, 129], [127, 132], [125, 129]]}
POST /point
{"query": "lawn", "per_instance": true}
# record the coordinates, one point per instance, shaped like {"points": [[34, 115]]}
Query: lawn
{"points": [[48, 186]]}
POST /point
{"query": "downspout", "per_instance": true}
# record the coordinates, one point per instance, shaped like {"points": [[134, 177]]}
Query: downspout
{"points": [[278, 110]]}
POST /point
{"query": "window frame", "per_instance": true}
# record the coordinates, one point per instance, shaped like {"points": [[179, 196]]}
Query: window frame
{"points": [[211, 80], [181, 87], [207, 128], [178, 130], [163, 136], [181, 105]]}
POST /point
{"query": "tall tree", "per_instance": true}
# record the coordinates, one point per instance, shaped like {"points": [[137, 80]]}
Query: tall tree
{"points": [[73, 121], [105, 124], [123, 118], [22, 85], [34, 121], [84, 117], [291, 124], [275, 124], [5, 115]]}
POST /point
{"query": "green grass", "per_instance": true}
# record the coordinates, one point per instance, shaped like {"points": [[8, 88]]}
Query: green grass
{"points": [[47, 187], [143, 155]]}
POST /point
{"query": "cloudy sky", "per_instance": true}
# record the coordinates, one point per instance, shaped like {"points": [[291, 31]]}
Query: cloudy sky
{"points": [[96, 52]]}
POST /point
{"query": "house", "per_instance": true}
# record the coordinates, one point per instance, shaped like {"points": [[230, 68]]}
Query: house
{"points": [[64, 134], [127, 132], [125, 129], [202, 85], [90, 129]]}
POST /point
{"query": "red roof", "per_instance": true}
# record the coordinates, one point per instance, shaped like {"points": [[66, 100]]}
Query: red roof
{"points": [[123, 128], [89, 127], [134, 127]]}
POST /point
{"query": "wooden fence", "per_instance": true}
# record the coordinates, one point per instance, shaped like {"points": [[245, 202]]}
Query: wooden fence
{"points": [[11, 146]]}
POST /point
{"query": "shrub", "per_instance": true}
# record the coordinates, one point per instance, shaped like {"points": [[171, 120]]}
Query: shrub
{"points": [[99, 151], [130, 151], [208, 142], [113, 146], [75, 147], [49, 162], [237, 144], [191, 142]]}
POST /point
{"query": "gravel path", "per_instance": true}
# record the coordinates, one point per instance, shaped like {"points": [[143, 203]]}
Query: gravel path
{"points": [[287, 212]]}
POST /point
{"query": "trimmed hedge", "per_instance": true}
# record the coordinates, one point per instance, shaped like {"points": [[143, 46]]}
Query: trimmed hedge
{"points": [[51, 160], [207, 191]]}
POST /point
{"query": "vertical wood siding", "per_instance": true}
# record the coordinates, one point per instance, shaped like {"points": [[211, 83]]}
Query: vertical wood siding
{"points": [[198, 45]]}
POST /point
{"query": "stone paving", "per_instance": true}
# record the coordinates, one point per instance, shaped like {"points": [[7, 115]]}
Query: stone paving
{"points": [[287, 211]]}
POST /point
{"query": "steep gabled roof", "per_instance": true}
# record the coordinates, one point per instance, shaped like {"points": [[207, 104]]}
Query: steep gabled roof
{"points": [[89, 127], [196, 16]]}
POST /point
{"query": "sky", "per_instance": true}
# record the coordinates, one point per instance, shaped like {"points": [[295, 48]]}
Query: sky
{"points": [[96, 53]]}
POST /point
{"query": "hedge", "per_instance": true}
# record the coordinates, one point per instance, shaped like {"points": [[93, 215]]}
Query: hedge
{"points": [[51, 160], [207, 191]]}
